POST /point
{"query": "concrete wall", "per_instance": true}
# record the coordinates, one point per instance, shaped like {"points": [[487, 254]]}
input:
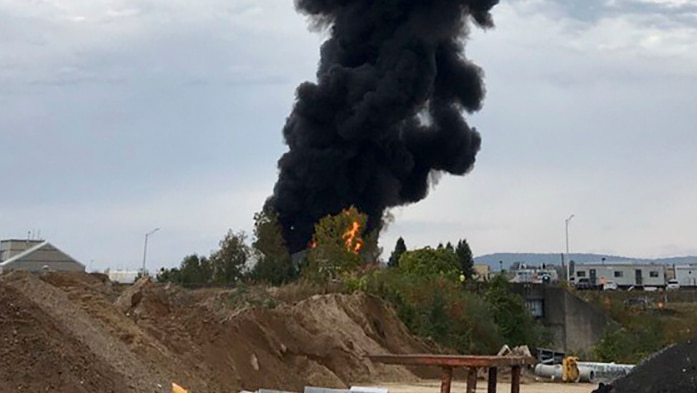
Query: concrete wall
{"points": [[584, 324], [575, 325]]}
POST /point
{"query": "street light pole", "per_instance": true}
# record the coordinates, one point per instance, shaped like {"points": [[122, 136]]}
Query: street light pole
{"points": [[145, 248], [568, 261]]}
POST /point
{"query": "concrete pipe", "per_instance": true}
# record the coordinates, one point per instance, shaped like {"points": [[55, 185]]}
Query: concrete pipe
{"points": [[555, 372], [551, 371], [606, 372], [586, 374]]}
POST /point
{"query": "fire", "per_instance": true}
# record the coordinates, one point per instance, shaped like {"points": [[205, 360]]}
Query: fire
{"points": [[352, 239], [351, 236]]}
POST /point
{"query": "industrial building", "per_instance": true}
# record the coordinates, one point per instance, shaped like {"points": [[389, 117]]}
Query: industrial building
{"points": [[534, 274], [121, 276], [624, 274], [35, 256]]}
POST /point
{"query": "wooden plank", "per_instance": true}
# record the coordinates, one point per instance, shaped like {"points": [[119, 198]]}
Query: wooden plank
{"points": [[446, 378], [453, 360], [491, 383]]}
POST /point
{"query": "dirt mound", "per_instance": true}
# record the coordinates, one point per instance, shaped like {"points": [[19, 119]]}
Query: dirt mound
{"points": [[38, 355], [673, 370], [89, 337], [321, 341]]}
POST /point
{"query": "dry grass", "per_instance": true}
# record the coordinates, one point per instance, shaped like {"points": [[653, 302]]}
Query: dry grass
{"points": [[301, 290]]}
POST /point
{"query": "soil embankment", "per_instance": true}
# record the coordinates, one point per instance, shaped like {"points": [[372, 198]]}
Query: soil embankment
{"points": [[79, 333]]}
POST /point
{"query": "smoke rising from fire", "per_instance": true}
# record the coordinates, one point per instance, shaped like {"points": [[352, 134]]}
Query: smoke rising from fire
{"points": [[385, 112]]}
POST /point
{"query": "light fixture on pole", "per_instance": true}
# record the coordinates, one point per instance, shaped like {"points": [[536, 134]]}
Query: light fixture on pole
{"points": [[145, 248], [568, 262]]}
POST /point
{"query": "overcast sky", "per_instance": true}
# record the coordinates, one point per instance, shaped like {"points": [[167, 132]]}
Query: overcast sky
{"points": [[120, 116]]}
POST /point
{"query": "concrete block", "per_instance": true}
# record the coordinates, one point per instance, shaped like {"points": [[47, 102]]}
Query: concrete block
{"points": [[368, 389], [314, 389]]}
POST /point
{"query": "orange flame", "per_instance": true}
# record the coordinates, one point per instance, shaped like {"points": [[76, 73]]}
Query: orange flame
{"points": [[353, 242]]}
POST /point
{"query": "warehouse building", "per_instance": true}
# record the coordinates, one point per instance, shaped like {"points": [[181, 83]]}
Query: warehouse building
{"points": [[35, 256]]}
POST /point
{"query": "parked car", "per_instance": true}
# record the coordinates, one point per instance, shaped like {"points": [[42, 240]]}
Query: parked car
{"points": [[583, 283], [610, 286], [673, 285]]}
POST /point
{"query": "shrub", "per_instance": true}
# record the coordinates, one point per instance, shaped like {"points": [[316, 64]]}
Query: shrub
{"points": [[514, 320], [437, 307]]}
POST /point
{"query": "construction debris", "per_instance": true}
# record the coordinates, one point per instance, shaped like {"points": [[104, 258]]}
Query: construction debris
{"points": [[672, 370], [521, 350]]}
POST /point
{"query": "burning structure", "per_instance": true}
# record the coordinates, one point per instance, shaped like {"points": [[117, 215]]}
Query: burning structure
{"points": [[385, 114]]}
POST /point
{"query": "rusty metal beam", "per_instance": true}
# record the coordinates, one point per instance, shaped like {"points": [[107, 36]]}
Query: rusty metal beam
{"points": [[491, 382], [515, 379], [454, 360], [472, 380], [446, 378]]}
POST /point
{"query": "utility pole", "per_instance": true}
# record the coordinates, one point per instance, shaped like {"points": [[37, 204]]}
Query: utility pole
{"points": [[145, 248], [568, 260]]}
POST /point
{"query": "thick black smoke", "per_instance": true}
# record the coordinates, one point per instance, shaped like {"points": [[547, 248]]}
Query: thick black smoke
{"points": [[386, 110]]}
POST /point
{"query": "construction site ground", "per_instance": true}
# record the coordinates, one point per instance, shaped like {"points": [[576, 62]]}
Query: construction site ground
{"points": [[81, 333]]}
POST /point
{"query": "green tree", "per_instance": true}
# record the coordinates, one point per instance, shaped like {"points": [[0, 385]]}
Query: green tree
{"points": [[399, 249], [168, 275], [515, 321], [428, 262], [195, 270], [274, 264], [337, 246], [464, 256], [229, 263]]}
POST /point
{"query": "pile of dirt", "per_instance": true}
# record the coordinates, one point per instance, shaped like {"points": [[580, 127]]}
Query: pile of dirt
{"points": [[672, 370], [39, 355], [78, 332]]}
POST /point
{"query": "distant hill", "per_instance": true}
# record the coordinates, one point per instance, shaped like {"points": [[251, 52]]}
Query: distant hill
{"points": [[509, 258]]}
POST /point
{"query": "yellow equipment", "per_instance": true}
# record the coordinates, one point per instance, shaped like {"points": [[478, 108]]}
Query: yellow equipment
{"points": [[178, 389], [570, 371]]}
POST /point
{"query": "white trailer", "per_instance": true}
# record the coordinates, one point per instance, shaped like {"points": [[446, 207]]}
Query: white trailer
{"points": [[624, 274], [686, 275]]}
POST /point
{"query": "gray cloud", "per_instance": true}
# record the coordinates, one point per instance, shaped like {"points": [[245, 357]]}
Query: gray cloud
{"points": [[120, 116]]}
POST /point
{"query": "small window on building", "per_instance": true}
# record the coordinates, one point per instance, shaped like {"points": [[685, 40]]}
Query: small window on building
{"points": [[619, 273], [653, 273], [581, 273], [536, 308]]}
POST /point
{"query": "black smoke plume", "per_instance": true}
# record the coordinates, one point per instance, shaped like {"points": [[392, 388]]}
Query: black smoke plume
{"points": [[385, 112]]}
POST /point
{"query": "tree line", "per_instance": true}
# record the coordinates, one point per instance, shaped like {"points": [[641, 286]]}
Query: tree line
{"points": [[431, 288], [267, 260]]}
